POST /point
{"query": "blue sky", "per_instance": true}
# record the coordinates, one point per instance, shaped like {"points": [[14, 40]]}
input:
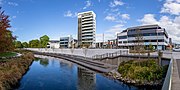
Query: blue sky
{"points": [[31, 19]]}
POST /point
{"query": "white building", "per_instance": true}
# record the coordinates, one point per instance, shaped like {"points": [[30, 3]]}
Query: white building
{"points": [[87, 29], [53, 44], [65, 42], [151, 34]]}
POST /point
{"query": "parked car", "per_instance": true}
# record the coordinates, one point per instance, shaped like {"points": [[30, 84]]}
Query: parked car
{"points": [[176, 49]]}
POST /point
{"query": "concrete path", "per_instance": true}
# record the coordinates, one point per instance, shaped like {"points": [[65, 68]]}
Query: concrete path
{"points": [[178, 65], [176, 68], [175, 75]]}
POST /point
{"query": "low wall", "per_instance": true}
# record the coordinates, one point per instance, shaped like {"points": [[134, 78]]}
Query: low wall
{"points": [[79, 52]]}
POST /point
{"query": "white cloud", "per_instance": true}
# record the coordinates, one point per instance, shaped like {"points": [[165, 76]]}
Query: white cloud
{"points": [[110, 18], [171, 7], [172, 25], [114, 10], [148, 19], [115, 29], [117, 17], [88, 4], [125, 16], [70, 14], [110, 33], [12, 4], [116, 3]]}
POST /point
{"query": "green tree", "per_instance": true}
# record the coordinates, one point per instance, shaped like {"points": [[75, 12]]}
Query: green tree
{"points": [[44, 41], [25, 44], [34, 43], [6, 38], [151, 47], [18, 44]]}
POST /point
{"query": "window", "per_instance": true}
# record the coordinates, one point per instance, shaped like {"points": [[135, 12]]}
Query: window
{"points": [[122, 37]]}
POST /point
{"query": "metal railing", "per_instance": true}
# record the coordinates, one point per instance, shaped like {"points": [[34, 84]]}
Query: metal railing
{"points": [[111, 55], [168, 78]]}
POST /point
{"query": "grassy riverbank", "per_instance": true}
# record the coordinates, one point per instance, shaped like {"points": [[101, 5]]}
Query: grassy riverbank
{"points": [[146, 72], [11, 70], [8, 54]]}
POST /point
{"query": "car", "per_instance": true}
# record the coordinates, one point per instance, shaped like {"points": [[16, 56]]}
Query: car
{"points": [[176, 49]]}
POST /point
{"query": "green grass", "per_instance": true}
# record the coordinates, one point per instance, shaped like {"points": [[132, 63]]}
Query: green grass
{"points": [[8, 54]]}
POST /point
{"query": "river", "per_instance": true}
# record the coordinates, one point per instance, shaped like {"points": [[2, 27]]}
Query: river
{"points": [[50, 73]]}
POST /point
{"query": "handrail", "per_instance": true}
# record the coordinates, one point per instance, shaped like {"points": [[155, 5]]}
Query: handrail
{"points": [[114, 54], [168, 78]]}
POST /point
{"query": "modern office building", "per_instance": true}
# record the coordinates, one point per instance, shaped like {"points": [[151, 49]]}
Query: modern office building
{"points": [[87, 29], [146, 34], [53, 44], [65, 42]]}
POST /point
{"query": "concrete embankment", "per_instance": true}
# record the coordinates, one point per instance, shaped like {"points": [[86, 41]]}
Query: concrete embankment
{"points": [[78, 52]]}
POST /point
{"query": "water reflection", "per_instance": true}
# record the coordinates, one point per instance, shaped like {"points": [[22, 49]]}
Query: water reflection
{"points": [[86, 79], [44, 62], [57, 74]]}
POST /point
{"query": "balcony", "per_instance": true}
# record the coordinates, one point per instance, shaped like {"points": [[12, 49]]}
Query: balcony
{"points": [[84, 28], [87, 16], [87, 31], [88, 37], [84, 22], [87, 25], [87, 19]]}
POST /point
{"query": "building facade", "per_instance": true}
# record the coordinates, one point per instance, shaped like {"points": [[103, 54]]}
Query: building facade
{"points": [[101, 44], [87, 29], [53, 44], [65, 42], [147, 34], [112, 44]]}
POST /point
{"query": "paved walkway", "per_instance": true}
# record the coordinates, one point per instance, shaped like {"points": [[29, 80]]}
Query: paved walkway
{"points": [[175, 75], [178, 65], [176, 69]]}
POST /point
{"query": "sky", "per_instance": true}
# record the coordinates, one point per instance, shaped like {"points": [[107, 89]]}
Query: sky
{"points": [[31, 19]]}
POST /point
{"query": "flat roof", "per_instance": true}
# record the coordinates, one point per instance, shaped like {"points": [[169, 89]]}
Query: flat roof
{"points": [[144, 26]]}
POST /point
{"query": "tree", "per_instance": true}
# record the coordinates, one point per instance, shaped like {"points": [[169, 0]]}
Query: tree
{"points": [[151, 48], [25, 45], [18, 44], [44, 41], [6, 38], [34, 43], [139, 44]]}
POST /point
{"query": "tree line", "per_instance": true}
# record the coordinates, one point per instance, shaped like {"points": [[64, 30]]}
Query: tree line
{"points": [[36, 43]]}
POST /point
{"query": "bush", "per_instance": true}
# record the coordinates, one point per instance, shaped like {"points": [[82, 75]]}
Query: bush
{"points": [[142, 71]]}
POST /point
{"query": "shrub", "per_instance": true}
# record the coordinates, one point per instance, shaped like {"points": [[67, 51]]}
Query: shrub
{"points": [[142, 71]]}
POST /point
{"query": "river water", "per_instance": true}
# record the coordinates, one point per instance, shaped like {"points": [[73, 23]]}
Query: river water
{"points": [[51, 73]]}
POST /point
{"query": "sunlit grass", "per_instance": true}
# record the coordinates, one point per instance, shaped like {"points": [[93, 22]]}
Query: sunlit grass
{"points": [[8, 54]]}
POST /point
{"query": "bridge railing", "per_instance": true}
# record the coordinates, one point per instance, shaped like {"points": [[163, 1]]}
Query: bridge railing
{"points": [[168, 78]]}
